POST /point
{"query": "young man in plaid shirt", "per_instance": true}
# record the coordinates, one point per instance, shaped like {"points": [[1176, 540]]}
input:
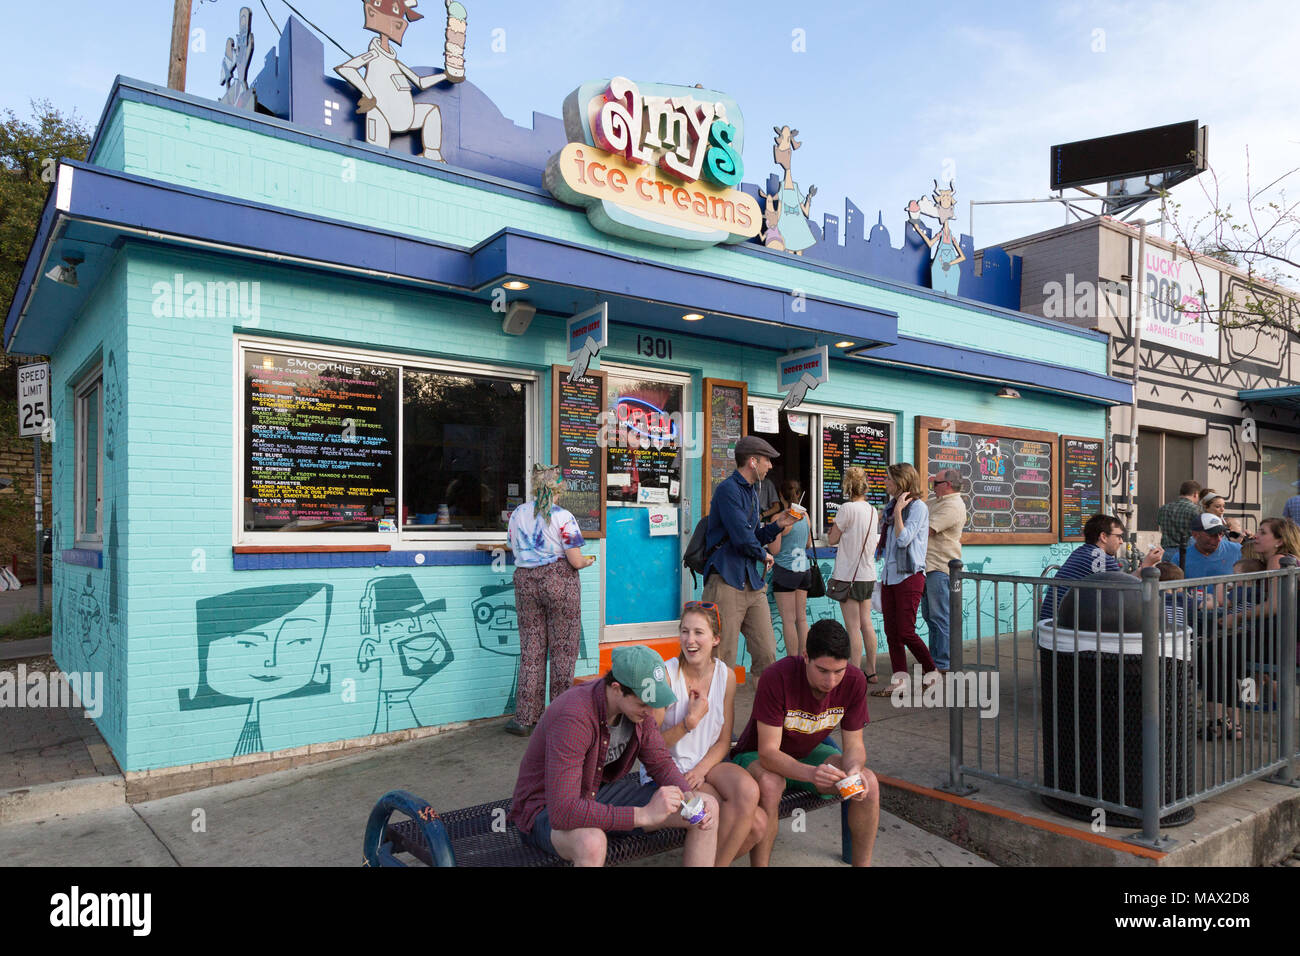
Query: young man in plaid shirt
{"points": [[1175, 520], [571, 789]]}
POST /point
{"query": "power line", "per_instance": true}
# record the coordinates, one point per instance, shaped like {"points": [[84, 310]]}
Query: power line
{"points": [[316, 28], [271, 18]]}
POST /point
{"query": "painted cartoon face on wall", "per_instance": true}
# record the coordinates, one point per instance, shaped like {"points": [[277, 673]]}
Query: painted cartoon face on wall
{"points": [[274, 658], [89, 618], [403, 636], [495, 620]]}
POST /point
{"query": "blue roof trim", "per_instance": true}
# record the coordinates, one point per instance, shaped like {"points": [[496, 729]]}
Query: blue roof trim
{"points": [[961, 362], [126, 88], [312, 560], [35, 256]]}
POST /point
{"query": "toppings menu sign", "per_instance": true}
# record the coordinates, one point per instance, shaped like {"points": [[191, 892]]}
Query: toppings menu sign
{"points": [[725, 419], [1082, 464], [577, 414], [319, 443], [656, 163], [1008, 478], [853, 444]]}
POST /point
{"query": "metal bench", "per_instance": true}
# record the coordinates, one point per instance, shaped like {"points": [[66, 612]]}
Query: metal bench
{"points": [[481, 835]]}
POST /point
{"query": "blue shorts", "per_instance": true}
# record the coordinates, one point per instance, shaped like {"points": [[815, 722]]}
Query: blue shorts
{"points": [[627, 792]]}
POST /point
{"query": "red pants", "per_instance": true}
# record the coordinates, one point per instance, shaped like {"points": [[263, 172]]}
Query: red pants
{"points": [[548, 605], [901, 601]]}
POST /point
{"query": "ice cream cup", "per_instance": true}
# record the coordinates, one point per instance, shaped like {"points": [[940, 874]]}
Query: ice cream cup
{"points": [[850, 786], [693, 810], [797, 511]]}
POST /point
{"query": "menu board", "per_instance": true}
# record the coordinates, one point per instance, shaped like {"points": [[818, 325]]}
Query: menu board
{"points": [[319, 444], [1082, 464], [643, 451], [1008, 478], [853, 444], [725, 423], [577, 414]]}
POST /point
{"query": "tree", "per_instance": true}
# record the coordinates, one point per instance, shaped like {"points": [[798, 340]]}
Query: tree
{"points": [[29, 157], [1263, 241]]}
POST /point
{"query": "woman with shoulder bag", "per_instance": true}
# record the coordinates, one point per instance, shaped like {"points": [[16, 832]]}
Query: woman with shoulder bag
{"points": [[792, 572], [856, 531], [903, 546]]}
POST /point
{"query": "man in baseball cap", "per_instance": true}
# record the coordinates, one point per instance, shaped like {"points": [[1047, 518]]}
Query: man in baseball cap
{"points": [[1211, 553], [947, 519], [735, 542], [574, 784]]}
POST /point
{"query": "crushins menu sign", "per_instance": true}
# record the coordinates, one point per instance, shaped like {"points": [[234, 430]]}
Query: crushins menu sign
{"points": [[656, 163], [319, 443]]}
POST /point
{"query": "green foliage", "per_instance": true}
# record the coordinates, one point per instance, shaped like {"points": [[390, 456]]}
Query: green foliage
{"points": [[29, 626]]}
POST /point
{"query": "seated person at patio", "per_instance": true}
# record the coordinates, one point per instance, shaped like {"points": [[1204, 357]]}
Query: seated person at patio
{"points": [[799, 701], [1175, 601], [1211, 553], [697, 730], [1103, 537], [571, 789]]}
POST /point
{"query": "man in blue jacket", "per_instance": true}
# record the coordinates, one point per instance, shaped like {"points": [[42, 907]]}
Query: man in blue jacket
{"points": [[736, 535]]}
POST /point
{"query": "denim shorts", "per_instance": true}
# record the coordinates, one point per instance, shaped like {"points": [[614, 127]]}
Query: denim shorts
{"points": [[625, 792]]}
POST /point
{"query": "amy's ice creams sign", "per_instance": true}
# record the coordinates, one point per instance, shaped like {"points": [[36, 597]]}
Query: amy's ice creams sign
{"points": [[656, 163]]}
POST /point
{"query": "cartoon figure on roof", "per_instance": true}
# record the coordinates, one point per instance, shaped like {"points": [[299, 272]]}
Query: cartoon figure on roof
{"points": [[940, 205], [402, 636], [260, 644], [770, 234], [234, 65], [385, 82], [792, 232]]}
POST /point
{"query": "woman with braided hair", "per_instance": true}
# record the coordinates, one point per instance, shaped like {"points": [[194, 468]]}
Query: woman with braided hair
{"points": [[547, 546]]}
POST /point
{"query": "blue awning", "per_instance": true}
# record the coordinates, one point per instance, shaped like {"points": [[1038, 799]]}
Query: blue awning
{"points": [[1286, 397]]}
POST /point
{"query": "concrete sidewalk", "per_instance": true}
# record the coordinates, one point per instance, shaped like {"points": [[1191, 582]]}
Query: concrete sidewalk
{"points": [[316, 815]]}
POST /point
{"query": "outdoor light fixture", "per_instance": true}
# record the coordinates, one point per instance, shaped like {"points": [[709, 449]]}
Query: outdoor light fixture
{"points": [[844, 345], [66, 274], [515, 285], [1006, 391], [692, 317]]}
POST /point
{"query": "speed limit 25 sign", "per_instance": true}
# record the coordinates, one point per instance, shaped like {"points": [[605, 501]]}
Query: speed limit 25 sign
{"points": [[33, 399]]}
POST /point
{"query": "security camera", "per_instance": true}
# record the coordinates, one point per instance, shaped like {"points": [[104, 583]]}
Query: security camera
{"points": [[519, 315]]}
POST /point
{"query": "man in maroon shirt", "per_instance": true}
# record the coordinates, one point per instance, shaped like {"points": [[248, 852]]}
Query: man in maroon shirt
{"points": [[571, 790], [799, 701]]}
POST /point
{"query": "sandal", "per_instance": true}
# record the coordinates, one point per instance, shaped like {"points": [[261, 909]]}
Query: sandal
{"points": [[872, 678], [1232, 730]]}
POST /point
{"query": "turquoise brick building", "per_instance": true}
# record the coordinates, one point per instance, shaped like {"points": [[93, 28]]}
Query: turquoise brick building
{"points": [[266, 304]]}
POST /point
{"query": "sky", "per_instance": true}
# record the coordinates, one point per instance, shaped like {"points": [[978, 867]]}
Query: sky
{"points": [[887, 96]]}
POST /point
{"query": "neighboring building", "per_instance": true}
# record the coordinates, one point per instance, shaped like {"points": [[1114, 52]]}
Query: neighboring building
{"points": [[296, 400], [1221, 405]]}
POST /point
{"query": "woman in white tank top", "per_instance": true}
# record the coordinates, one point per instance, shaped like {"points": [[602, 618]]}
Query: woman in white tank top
{"points": [[697, 730]]}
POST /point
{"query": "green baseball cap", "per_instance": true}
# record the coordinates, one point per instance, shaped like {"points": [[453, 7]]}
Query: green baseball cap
{"points": [[639, 668]]}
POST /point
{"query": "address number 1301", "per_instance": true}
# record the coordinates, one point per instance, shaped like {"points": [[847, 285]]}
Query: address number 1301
{"points": [[653, 346]]}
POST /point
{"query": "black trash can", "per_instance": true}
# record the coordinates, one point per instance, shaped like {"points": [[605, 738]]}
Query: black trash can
{"points": [[1101, 659]]}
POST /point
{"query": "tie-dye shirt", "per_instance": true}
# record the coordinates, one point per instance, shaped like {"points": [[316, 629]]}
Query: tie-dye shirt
{"points": [[536, 543]]}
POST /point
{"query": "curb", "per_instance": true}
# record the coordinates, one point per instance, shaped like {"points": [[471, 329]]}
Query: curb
{"points": [[29, 804], [19, 650]]}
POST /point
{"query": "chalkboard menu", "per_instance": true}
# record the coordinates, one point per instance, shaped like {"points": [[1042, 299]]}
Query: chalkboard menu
{"points": [[853, 444], [1082, 464], [320, 441], [577, 413], [645, 430], [1008, 478], [725, 422]]}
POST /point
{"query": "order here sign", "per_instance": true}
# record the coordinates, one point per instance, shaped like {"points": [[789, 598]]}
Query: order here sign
{"points": [[33, 399]]}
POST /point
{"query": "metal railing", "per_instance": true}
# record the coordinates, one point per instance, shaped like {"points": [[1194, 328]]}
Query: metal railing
{"points": [[1190, 692]]}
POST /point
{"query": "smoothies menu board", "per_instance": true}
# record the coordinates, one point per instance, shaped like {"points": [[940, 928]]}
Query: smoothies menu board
{"points": [[725, 423], [577, 410], [644, 431], [320, 442], [1008, 478], [848, 444], [1082, 464]]}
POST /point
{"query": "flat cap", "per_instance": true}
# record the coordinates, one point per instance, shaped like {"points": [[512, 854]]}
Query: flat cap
{"points": [[753, 445]]}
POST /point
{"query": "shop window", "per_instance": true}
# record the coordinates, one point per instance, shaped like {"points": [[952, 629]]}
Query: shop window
{"points": [[463, 447], [1281, 471], [88, 425], [1164, 463], [348, 443]]}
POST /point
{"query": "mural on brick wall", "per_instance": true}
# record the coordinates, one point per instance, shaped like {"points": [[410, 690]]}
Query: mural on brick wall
{"points": [[260, 644], [402, 638], [945, 266], [385, 82], [113, 407]]}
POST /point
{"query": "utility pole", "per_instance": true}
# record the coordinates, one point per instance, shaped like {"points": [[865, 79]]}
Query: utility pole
{"points": [[180, 46], [1135, 317]]}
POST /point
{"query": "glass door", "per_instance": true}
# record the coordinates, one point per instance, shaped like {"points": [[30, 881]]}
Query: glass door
{"points": [[644, 492]]}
